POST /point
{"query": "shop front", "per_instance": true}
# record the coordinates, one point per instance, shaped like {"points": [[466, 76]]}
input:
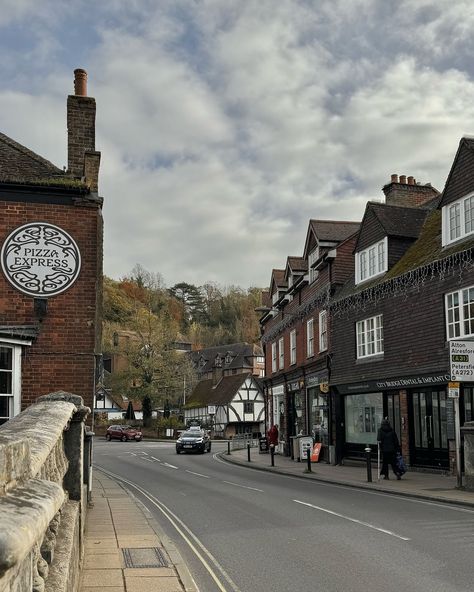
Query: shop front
{"points": [[319, 411], [417, 407], [278, 415]]}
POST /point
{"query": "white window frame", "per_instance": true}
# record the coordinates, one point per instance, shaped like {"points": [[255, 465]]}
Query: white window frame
{"points": [[323, 330], [458, 219], [369, 337], [293, 346], [371, 262], [310, 338], [312, 257], [15, 396], [460, 313], [281, 353], [274, 357]]}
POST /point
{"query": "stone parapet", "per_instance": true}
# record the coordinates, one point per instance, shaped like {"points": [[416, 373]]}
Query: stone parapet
{"points": [[41, 495]]}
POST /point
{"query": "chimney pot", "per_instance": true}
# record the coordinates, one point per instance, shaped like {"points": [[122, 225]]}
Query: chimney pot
{"points": [[80, 82], [394, 178], [403, 179], [410, 180]]}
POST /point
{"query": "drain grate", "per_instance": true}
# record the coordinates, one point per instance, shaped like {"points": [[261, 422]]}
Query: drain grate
{"points": [[143, 558]]}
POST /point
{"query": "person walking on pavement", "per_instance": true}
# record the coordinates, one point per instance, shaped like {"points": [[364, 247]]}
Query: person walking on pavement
{"points": [[273, 435], [389, 446]]}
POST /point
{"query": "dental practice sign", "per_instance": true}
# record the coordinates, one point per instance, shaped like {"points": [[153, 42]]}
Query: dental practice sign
{"points": [[40, 259]]}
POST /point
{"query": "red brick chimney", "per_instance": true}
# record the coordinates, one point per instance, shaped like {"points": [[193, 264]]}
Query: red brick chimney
{"points": [[405, 191], [83, 160]]}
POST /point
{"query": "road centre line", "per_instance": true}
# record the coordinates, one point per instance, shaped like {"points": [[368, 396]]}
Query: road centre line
{"points": [[389, 532], [198, 474], [243, 486], [186, 533], [170, 466], [157, 459]]}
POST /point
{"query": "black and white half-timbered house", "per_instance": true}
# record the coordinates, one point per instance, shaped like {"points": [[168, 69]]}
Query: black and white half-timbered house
{"points": [[234, 405]]}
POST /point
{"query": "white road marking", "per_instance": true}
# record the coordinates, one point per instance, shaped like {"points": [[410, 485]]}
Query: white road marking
{"points": [[170, 466], [389, 532], [148, 459], [157, 459], [198, 474], [188, 536], [243, 486]]}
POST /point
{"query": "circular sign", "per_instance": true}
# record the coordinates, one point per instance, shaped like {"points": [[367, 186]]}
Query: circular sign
{"points": [[40, 259]]}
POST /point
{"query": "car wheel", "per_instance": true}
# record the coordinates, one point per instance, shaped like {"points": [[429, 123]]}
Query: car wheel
{"points": [[138, 439], [124, 438], [108, 437]]}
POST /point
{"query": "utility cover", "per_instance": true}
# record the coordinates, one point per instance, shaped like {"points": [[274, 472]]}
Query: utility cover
{"points": [[143, 558]]}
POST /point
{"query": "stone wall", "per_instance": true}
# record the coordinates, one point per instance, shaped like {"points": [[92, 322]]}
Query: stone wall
{"points": [[42, 496]]}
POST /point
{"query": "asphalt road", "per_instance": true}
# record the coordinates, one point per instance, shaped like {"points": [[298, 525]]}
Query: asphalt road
{"points": [[251, 531]]}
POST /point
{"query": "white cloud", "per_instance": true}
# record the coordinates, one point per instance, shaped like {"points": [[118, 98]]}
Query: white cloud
{"points": [[224, 127]]}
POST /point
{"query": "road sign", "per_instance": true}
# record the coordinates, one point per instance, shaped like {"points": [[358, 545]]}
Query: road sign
{"points": [[461, 360]]}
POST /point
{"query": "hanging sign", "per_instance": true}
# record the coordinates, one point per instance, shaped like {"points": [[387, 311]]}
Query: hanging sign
{"points": [[40, 259]]}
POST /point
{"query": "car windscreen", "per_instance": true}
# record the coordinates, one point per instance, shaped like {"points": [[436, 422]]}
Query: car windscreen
{"points": [[191, 435]]}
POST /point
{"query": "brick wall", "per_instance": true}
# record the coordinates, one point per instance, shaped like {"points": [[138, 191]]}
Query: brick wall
{"points": [[62, 356]]}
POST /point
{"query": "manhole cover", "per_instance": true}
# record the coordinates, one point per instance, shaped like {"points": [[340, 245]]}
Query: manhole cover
{"points": [[147, 557]]}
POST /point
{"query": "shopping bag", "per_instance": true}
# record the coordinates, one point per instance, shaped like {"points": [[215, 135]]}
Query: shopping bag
{"points": [[401, 466]]}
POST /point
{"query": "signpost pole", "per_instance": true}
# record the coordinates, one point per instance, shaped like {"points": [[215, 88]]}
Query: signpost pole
{"points": [[457, 424]]}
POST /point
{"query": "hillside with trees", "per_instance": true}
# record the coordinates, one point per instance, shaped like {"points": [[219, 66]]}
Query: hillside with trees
{"points": [[143, 321]]}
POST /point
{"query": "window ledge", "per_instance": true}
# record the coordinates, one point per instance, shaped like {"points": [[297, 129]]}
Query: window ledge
{"points": [[368, 359]]}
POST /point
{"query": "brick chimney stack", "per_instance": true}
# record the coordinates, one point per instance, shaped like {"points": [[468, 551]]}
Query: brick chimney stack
{"points": [[405, 191], [83, 160]]}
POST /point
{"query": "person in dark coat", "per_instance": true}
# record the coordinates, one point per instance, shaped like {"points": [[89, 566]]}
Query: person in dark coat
{"points": [[389, 446]]}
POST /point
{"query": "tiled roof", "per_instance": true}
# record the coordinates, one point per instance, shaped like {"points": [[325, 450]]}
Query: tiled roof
{"points": [[297, 263], [460, 180], [399, 221], [333, 230], [278, 276], [18, 163], [221, 394], [25, 332], [241, 354]]}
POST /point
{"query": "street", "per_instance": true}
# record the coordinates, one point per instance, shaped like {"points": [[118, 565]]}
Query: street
{"points": [[245, 530]]}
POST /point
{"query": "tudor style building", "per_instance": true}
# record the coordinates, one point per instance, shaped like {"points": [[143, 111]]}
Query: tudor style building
{"points": [[51, 265]]}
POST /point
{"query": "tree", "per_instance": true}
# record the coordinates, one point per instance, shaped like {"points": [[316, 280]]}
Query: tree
{"points": [[130, 414], [192, 299]]}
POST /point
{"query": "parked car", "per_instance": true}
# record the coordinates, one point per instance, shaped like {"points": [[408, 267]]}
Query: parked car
{"points": [[124, 433], [193, 440]]}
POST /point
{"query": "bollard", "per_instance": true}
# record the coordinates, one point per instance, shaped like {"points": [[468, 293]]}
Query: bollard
{"points": [[228, 446], [308, 458], [248, 451], [272, 454], [368, 456]]}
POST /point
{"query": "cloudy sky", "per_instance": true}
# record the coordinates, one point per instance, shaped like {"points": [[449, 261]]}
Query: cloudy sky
{"points": [[225, 125]]}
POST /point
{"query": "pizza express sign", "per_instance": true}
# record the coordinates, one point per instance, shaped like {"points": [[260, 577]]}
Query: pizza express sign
{"points": [[40, 259]]}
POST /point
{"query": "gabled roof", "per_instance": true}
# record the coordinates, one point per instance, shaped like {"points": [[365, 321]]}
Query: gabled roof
{"points": [[297, 264], [460, 180], [241, 355], [397, 220], [205, 393], [333, 231], [278, 280]]}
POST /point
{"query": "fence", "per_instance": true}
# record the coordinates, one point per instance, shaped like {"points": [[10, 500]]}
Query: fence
{"points": [[44, 486], [240, 441]]}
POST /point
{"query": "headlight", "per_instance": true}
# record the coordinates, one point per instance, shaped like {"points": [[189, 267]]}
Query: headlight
{"points": [[200, 441], [178, 440]]}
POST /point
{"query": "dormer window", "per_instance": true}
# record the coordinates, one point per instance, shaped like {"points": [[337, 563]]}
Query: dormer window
{"points": [[458, 219], [228, 359], [372, 261], [290, 280], [218, 362], [312, 258]]}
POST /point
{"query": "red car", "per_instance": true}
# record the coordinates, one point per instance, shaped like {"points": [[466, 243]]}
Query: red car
{"points": [[124, 433]]}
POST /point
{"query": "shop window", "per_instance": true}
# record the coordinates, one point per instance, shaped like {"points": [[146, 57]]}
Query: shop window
{"points": [[363, 415]]}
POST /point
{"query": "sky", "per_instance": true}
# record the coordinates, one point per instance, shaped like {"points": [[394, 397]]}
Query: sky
{"points": [[226, 125]]}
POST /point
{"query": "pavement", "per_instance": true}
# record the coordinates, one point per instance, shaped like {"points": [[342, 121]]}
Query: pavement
{"points": [[118, 559]]}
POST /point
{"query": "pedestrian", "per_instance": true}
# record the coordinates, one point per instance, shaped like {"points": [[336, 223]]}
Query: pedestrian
{"points": [[273, 435], [389, 446]]}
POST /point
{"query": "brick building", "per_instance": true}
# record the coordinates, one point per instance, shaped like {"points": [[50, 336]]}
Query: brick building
{"points": [[394, 295], [51, 264]]}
